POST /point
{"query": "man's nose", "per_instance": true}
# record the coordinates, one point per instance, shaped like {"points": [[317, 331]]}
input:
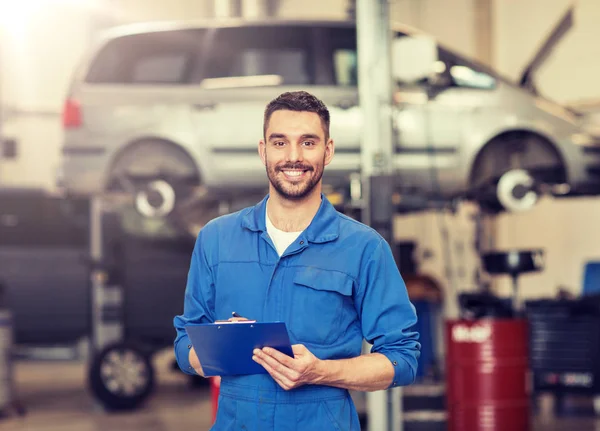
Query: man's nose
{"points": [[295, 153]]}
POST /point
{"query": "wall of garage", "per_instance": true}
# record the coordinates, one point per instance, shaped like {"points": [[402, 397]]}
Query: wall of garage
{"points": [[521, 26], [455, 25], [566, 229], [40, 44]]}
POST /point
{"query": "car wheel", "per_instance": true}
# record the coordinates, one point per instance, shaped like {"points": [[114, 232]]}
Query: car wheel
{"points": [[155, 199], [167, 207], [516, 190], [121, 377], [511, 172], [155, 178]]}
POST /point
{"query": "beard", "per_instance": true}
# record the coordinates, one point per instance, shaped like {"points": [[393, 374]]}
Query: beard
{"points": [[294, 191]]}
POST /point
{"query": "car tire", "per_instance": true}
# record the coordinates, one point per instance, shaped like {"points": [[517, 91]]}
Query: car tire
{"points": [[121, 377]]}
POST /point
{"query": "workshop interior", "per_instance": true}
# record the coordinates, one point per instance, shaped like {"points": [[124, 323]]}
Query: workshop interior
{"points": [[467, 133]]}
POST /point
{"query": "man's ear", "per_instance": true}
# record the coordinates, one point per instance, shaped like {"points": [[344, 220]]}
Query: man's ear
{"points": [[262, 151], [329, 151]]}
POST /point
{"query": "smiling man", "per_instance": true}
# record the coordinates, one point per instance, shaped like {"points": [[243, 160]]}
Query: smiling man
{"points": [[294, 258]]}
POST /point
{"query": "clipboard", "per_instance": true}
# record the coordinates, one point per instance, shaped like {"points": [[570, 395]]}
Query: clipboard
{"points": [[225, 349]]}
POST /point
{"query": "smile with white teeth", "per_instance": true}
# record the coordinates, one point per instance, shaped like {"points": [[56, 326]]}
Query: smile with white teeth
{"points": [[293, 173]]}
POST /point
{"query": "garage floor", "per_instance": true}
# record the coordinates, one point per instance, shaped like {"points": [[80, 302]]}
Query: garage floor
{"points": [[56, 400]]}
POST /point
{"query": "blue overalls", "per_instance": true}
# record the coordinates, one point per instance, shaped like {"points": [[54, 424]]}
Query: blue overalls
{"points": [[336, 284]]}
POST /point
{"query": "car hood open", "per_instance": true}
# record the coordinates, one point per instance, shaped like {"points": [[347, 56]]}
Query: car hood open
{"points": [[562, 27]]}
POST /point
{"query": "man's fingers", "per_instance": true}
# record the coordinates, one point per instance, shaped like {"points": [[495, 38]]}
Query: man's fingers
{"points": [[299, 349], [280, 357], [278, 376], [276, 365], [232, 319]]}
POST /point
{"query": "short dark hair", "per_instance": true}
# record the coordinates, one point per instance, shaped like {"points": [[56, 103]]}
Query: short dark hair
{"points": [[300, 101]]}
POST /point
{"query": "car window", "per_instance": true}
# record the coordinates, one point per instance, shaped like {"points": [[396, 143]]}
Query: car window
{"points": [[464, 73], [283, 55], [465, 76], [342, 45], [153, 58], [166, 68], [297, 55], [283, 52], [345, 63]]}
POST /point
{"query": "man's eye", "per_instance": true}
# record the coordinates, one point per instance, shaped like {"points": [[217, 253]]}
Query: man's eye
{"points": [[309, 143], [279, 143]]}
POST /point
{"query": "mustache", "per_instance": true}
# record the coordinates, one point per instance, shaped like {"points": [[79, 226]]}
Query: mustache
{"points": [[291, 166]]}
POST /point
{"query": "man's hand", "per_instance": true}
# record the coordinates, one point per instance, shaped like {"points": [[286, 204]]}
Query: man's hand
{"points": [[289, 373]]}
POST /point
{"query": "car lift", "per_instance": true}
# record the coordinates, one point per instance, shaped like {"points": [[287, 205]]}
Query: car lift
{"points": [[384, 408], [130, 379], [106, 294]]}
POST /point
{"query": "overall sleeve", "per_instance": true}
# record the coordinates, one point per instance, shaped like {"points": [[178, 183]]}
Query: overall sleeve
{"points": [[387, 314], [198, 304]]}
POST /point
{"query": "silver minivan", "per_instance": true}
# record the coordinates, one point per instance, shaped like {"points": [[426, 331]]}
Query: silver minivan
{"points": [[171, 113]]}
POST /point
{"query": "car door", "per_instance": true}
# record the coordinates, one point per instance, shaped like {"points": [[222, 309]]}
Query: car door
{"points": [[464, 101], [428, 126]]}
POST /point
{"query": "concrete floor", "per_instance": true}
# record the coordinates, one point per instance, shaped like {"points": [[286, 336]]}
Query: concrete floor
{"points": [[56, 399]]}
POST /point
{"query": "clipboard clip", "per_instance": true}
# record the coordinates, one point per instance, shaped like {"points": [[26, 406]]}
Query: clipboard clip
{"points": [[234, 319]]}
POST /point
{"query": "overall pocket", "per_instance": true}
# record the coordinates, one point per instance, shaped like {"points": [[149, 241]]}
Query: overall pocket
{"points": [[341, 414], [322, 306], [226, 414], [329, 415]]}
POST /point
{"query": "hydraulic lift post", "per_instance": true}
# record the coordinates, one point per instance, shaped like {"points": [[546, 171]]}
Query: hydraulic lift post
{"points": [[375, 88], [106, 294]]}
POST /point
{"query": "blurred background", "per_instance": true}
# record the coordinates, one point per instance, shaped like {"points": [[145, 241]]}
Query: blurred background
{"points": [[126, 125]]}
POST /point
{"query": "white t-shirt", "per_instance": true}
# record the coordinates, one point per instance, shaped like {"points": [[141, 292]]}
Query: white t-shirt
{"points": [[281, 239]]}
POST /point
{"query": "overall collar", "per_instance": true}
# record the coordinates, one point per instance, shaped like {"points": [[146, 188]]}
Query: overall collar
{"points": [[324, 227]]}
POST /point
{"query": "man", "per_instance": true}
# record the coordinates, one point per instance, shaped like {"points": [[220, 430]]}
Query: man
{"points": [[294, 258]]}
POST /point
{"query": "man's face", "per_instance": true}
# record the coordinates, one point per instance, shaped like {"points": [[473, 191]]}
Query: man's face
{"points": [[295, 152]]}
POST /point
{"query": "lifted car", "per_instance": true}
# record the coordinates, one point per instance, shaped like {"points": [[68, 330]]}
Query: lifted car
{"points": [[171, 113]]}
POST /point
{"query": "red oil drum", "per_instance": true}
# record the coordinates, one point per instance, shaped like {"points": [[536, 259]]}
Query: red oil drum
{"points": [[487, 371]]}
